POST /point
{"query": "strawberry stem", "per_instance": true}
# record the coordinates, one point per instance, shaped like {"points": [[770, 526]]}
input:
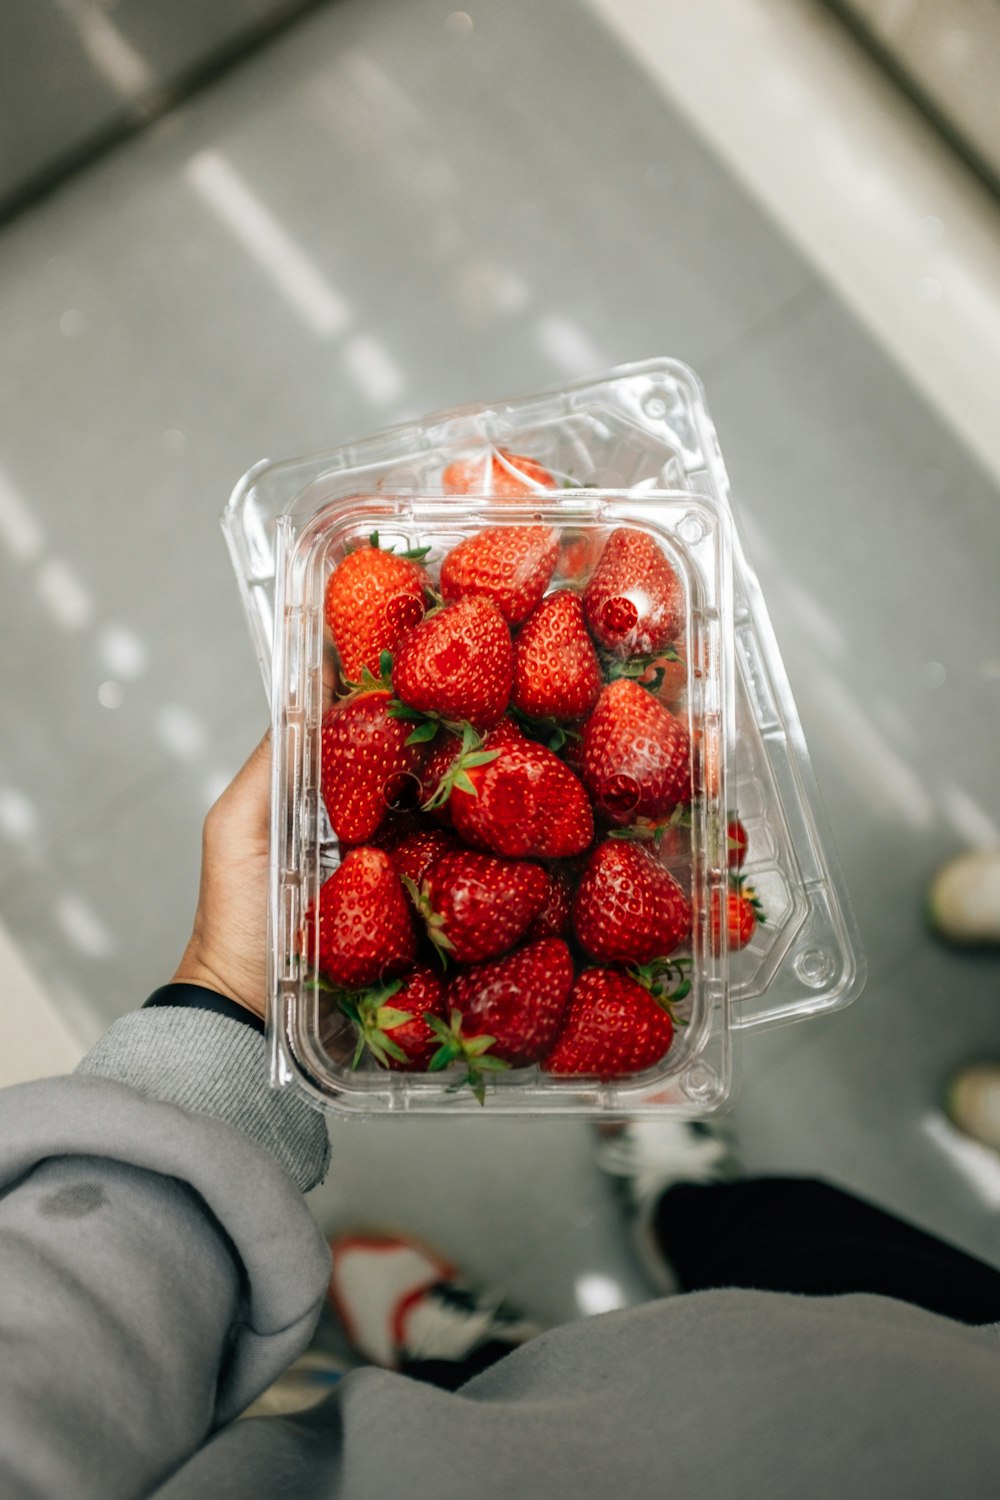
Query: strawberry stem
{"points": [[433, 921], [738, 883], [645, 828], [468, 756], [547, 731], [375, 1018], [636, 667], [471, 1050], [667, 980]]}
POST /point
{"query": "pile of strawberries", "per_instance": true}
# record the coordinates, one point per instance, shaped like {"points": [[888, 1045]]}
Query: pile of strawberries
{"points": [[502, 773]]}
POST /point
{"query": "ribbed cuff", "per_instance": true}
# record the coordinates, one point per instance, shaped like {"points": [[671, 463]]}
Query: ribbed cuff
{"points": [[210, 1064]]}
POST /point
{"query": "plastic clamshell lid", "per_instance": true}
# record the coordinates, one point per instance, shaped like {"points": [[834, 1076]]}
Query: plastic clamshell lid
{"points": [[644, 428]]}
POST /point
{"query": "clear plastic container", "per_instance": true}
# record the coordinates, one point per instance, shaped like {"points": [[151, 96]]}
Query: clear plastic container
{"points": [[642, 429], [313, 1038]]}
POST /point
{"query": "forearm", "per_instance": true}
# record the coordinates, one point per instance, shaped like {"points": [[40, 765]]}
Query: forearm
{"points": [[159, 1266]]}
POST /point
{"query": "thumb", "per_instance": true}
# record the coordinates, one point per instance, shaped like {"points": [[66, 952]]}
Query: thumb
{"points": [[245, 802]]}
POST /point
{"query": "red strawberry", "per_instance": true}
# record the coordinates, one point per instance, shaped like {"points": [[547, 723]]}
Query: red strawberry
{"points": [[367, 766], [736, 838], [372, 599], [524, 803], [507, 732], [393, 1021], [612, 1027], [667, 677], [518, 1000], [556, 671], [634, 602], [363, 932], [496, 472], [413, 854], [397, 826], [476, 905], [744, 914], [664, 675], [553, 918], [458, 663], [635, 758], [579, 553], [628, 909], [511, 565]]}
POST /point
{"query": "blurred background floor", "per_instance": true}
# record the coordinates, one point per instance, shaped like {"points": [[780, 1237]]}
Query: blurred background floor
{"points": [[391, 207]]}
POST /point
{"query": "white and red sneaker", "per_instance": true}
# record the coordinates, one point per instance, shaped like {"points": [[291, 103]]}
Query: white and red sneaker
{"points": [[403, 1306]]}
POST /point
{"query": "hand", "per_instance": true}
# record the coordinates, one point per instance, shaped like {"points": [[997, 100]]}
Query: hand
{"points": [[227, 951]]}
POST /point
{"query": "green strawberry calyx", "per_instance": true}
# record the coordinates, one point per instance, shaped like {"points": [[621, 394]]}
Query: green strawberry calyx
{"points": [[668, 980], [473, 1051], [469, 755], [646, 830], [636, 667], [375, 1018], [413, 554], [547, 731], [368, 682], [433, 920], [750, 896]]}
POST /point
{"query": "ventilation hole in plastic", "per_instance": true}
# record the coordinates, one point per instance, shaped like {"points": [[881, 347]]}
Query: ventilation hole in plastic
{"points": [[402, 792], [619, 615], [814, 967], [691, 529], [619, 795], [403, 611], [700, 1083]]}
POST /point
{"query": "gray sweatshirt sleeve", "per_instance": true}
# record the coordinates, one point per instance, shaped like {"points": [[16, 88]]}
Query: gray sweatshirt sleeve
{"points": [[158, 1266]]}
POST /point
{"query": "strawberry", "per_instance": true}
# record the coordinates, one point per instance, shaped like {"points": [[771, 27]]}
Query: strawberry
{"points": [[664, 675], [524, 803], [392, 1021], [553, 917], [476, 905], [613, 1026], [435, 798], [362, 932], [511, 565], [507, 732], [518, 1000], [628, 909], [458, 663], [667, 677], [635, 756], [744, 914], [736, 839], [579, 553], [413, 854], [372, 599], [496, 472], [634, 602], [367, 765], [556, 671], [397, 825]]}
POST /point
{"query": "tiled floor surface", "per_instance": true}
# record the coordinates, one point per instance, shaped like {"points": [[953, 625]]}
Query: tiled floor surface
{"points": [[386, 212]]}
